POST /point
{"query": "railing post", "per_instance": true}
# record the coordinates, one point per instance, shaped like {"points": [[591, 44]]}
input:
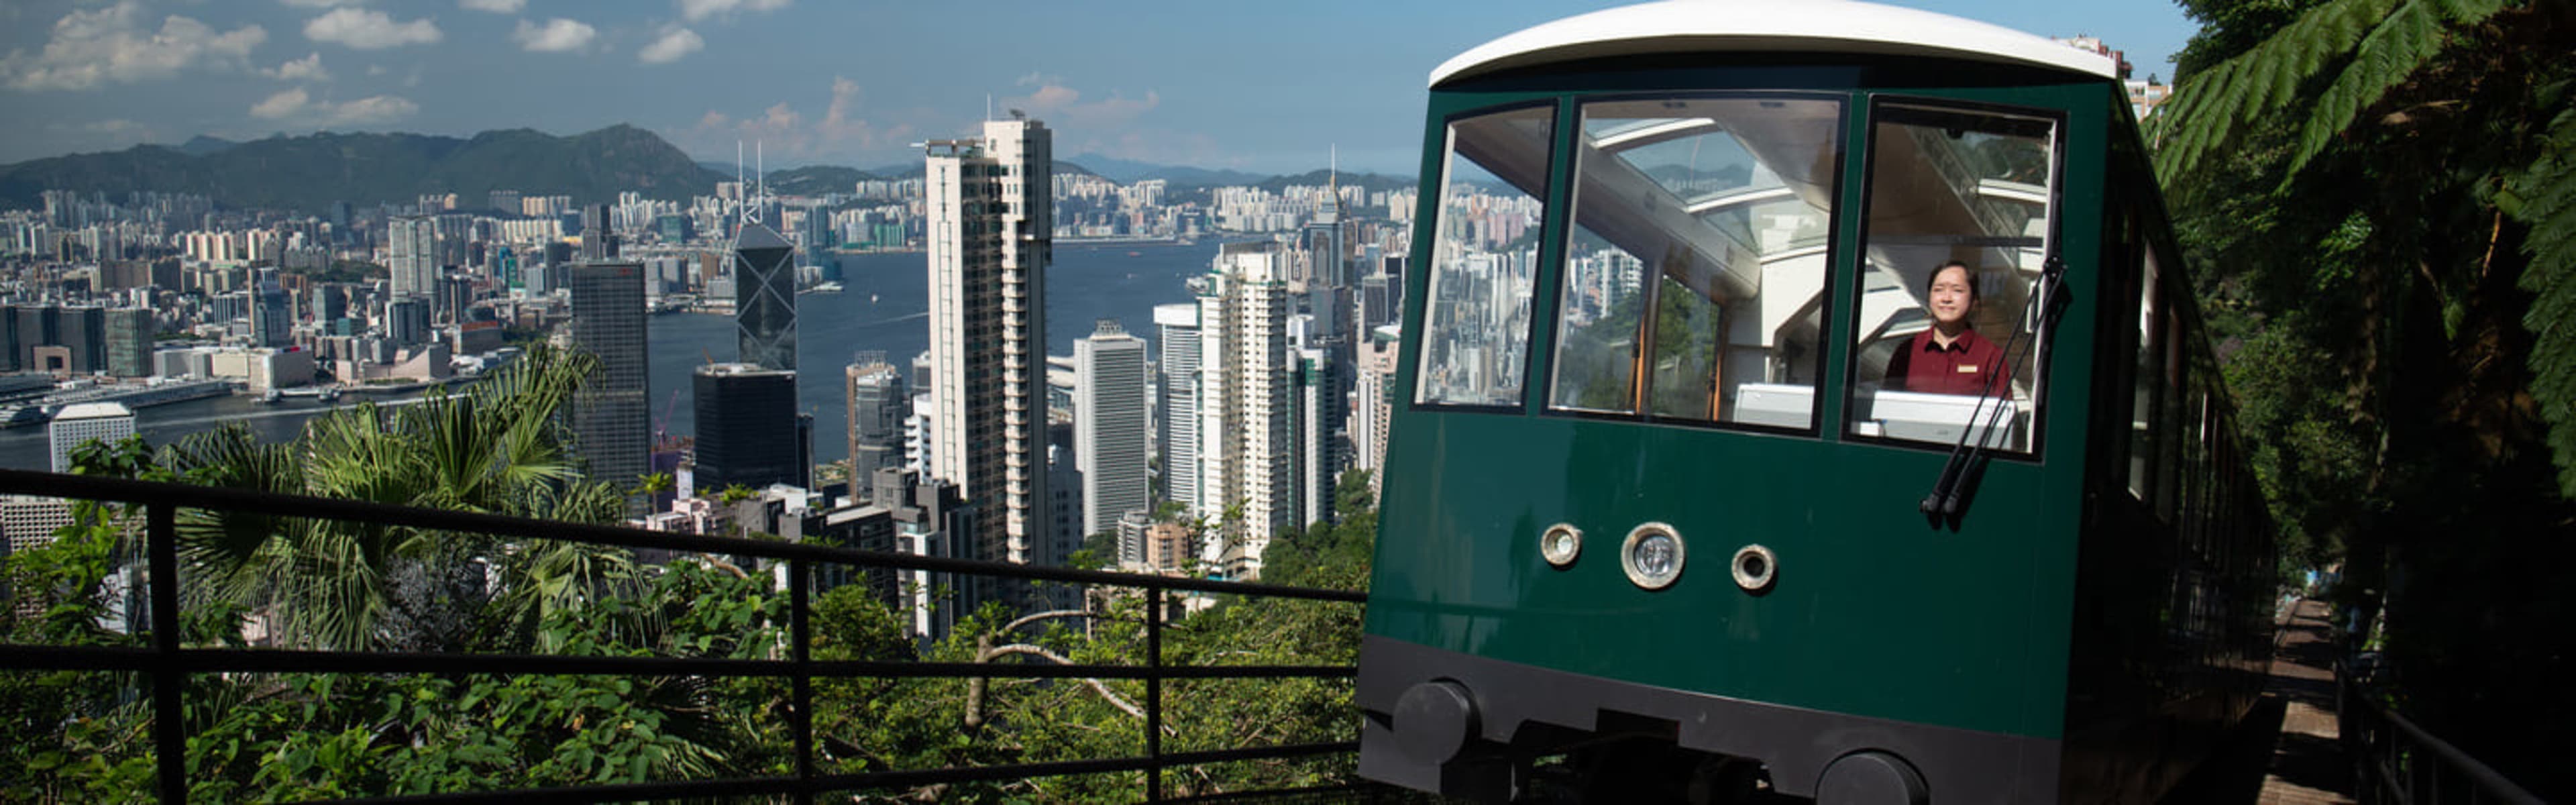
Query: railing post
{"points": [[799, 630], [1154, 693], [169, 721]]}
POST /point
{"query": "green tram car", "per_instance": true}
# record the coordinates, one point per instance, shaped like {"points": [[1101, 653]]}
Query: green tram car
{"points": [[1658, 524]]}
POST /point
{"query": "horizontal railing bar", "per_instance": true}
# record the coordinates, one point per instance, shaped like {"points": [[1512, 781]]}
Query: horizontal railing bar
{"points": [[1262, 795], [18, 657], [970, 774], [287, 661], [1259, 753], [615, 792], [92, 487]]}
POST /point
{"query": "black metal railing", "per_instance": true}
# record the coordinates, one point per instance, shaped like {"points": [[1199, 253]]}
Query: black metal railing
{"points": [[2398, 763], [169, 663]]}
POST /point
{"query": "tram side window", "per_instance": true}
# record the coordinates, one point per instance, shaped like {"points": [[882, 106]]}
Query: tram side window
{"points": [[1958, 227], [1695, 276], [2168, 427], [2142, 442], [1477, 315]]}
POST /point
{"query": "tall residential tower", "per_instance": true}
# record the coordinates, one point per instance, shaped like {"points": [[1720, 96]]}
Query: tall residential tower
{"points": [[990, 217]]}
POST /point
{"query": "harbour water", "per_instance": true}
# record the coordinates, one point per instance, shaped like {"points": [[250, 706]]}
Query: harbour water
{"points": [[883, 306]]}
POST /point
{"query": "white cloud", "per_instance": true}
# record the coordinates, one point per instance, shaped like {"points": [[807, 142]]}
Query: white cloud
{"points": [[674, 44], [322, 3], [695, 10], [119, 129], [281, 104], [372, 109], [494, 6], [1061, 104], [308, 68], [556, 36], [368, 29], [843, 134], [297, 105], [109, 44]]}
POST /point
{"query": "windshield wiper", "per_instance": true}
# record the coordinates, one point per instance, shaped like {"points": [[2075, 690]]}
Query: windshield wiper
{"points": [[1949, 498]]}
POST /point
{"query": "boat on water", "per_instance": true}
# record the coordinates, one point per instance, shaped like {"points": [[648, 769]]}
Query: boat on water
{"points": [[821, 287]]}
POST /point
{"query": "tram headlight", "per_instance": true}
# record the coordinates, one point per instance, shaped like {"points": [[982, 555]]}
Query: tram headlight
{"points": [[1560, 543], [1652, 556]]}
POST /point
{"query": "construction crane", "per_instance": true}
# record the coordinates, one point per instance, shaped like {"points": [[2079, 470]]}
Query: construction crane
{"points": [[663, 425]]}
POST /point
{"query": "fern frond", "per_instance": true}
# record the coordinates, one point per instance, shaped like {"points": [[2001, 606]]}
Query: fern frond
{"points": [[2466, 12], [2547, 195], [2208, 110], [2390, 54]]}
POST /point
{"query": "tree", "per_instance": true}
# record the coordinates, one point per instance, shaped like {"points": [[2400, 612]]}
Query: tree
{"points": [[2379, 193], [497, 448]]}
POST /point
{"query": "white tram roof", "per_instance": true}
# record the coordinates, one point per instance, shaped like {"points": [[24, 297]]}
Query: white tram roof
{"points": [[1811, 26]]}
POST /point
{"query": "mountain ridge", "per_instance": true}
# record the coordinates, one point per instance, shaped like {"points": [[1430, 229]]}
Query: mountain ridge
{"points": [[310, 172]]}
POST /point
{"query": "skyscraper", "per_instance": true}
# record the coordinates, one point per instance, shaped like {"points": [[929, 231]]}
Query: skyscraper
{"points": [[989, 216], [271, 318], [129, 342], [1109, 426], [84, 332], [1320, 420], [1374, 404], [747, 428], [878, 404], [598, 236], [764, 288], [330, 303], [610, 414], [1178, 406], [1248, 444], [412, 241]]}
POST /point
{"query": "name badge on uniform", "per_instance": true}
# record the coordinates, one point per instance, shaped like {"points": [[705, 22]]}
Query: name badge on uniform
{"points": [[1967, 368]]}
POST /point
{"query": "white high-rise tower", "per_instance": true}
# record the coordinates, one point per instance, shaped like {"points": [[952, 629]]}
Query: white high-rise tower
{"points": [[1247, 395], [1109, 426], [1179, 390], [990, 215]]}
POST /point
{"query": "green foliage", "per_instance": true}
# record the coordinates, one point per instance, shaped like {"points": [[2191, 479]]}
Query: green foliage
{"points": [[2375, 195], [2544, 197], [279, 737]]}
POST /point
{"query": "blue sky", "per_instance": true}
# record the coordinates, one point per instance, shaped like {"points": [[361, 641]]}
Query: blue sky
{"points": [[1264, 87]]}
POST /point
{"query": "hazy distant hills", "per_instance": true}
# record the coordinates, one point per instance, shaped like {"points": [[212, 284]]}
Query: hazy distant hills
{"points": [[310, 172], [1373, 182]]}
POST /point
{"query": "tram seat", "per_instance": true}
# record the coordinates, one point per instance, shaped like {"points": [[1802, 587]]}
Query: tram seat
{"points": [[1775, 404], [1940, 418]]}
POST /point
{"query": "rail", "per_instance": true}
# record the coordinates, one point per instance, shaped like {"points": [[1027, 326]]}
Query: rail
{"points": [[169, 663], [2398, 762]]}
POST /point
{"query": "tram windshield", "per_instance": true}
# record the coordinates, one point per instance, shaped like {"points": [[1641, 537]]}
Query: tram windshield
{"points": [[1484, 258], [1956, 234], [1695, 274]]}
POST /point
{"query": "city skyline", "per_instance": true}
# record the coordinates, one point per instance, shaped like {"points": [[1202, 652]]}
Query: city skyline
{"points": [[828, 84]]}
